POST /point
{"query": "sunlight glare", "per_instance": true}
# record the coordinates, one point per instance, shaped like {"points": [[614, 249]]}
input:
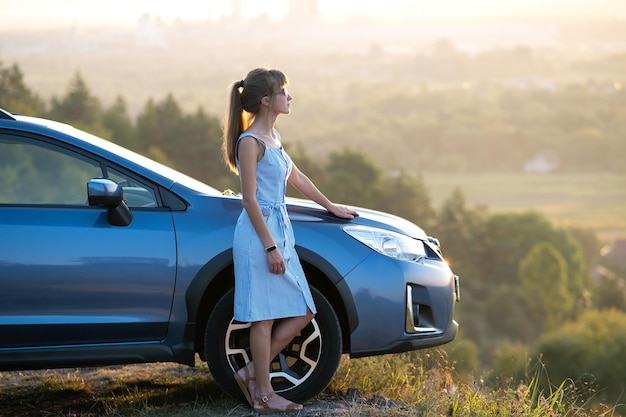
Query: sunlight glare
{"points": [[79, 13]]}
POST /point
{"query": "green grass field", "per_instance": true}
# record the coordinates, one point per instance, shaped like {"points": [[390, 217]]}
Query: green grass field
{"points": [[593, 201]]}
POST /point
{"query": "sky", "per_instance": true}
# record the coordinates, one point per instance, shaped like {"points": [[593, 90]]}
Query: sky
{"points": [[33, 14]]}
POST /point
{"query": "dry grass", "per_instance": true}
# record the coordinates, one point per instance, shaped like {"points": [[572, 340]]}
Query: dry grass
{"points": [[424, 384], [411, 384]]}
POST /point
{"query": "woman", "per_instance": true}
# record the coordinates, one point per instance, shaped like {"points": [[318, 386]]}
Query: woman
{"points": [[269, 280]]}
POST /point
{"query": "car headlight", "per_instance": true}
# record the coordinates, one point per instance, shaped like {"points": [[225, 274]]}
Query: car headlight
{"points": [[394, 245]]}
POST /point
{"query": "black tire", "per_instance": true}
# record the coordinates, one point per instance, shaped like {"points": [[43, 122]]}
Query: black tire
{"points": [[300, 372]]}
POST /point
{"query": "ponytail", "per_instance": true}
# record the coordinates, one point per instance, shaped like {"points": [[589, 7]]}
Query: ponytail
{"points": [[233, 126]]}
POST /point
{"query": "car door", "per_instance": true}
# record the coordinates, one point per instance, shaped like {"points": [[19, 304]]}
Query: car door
{"points": [[67, 276]]}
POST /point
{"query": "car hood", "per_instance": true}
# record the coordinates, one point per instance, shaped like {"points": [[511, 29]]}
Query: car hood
{"points": [[306, 210]]}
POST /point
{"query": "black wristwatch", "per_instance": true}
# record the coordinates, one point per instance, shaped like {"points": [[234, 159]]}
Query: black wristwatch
{"points": [[270, 248]]}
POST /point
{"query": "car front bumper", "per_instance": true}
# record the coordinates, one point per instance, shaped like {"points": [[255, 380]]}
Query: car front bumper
{"points": [[402, 306]]}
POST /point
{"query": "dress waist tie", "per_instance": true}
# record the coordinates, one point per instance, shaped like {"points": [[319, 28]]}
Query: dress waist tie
{"points": [[275, 209]]}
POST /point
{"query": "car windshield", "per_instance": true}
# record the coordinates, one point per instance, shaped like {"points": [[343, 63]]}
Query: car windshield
{"points": [[157, 167]]}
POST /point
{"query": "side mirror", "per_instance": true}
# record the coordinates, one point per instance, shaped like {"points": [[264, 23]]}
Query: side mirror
{"points": [[108, 193]]}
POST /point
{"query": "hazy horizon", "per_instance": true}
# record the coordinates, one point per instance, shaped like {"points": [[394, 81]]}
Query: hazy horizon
{"points": [[45, 14]]}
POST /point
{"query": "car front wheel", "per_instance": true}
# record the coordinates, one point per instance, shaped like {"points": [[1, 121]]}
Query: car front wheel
{"points": [[301, 371]]}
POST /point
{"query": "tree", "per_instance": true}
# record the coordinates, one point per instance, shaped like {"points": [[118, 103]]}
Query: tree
{"points": [[352, 179], [157, 124], [15, 96], [588, 349], [505, 313], [510, 236], [117, 121], [610, 285], [406, 196], [543, 278], [196, 149], [191, 143], [610, 291], [589, 243], [485, 251], [461, 232], [306, 164], [510, 360], [79, 108]]}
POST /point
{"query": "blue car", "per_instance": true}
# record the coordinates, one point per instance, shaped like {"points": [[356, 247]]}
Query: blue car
{"points": [[107, 257]]}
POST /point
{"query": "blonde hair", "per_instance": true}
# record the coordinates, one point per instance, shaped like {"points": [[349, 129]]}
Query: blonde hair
{"points": [[244, 104]]}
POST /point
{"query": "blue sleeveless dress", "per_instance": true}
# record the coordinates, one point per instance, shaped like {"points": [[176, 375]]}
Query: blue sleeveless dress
{"points": [[260, 294]]}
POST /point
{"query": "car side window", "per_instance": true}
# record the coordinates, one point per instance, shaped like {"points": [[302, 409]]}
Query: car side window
{"points": [[136, 193], [36, 173]]}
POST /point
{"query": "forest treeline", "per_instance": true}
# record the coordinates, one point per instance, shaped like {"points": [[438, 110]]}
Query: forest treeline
{"points": [[477, 127], [528, 293], [434, 108]]}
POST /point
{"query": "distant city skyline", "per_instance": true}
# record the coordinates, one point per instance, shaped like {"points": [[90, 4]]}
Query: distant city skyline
{"points": [[34, 14]]}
